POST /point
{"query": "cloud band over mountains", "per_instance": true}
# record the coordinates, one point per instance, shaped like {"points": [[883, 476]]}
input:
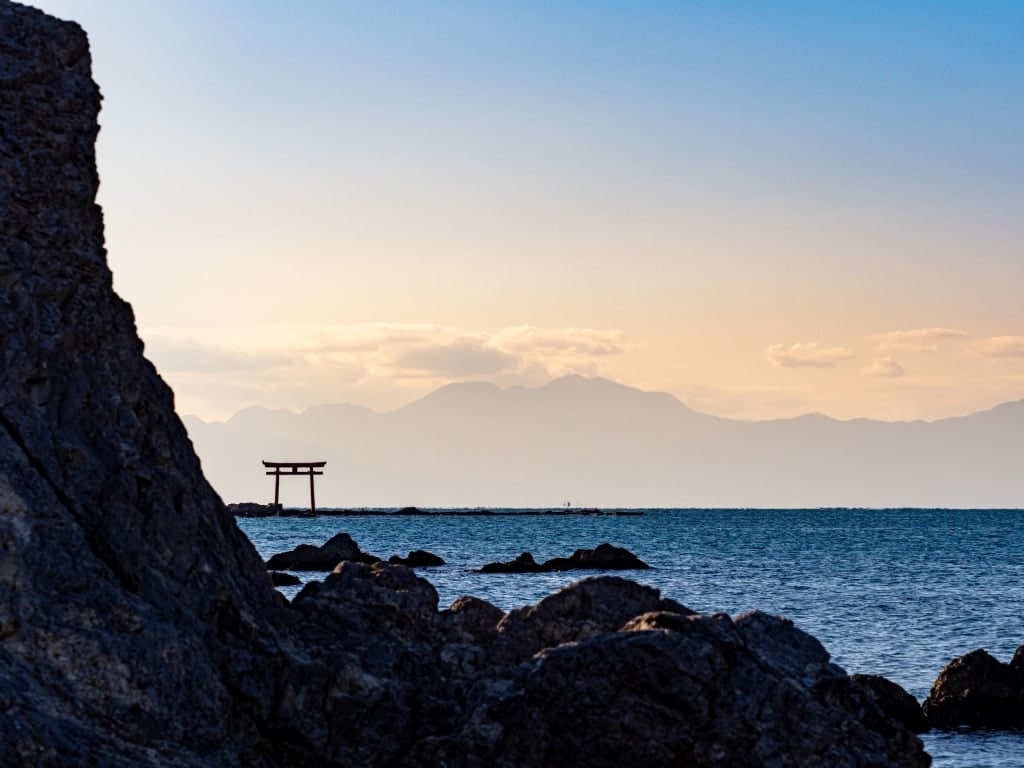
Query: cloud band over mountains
{"points": [[806, 355]]}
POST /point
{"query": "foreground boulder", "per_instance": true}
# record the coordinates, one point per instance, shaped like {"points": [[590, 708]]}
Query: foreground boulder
{"points": [[139, 627], [604, 557], [978, 691]]}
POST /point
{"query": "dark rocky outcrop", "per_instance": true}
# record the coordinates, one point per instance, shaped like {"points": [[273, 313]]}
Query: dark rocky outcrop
{"points": [[978, 691], [282, 579], [523, 563], [308, 557], [418, 558], [138, 626], [894, 701], [128, 597], [604, 557], [255, 509]]}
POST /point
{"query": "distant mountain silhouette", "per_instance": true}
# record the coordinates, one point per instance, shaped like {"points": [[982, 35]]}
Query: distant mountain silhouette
{"points": [[598, 443]]}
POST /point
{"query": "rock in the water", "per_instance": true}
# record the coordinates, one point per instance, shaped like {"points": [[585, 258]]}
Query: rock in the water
{"points": [[282, 579], [138, 625], [307, 557], [418, 558], [523, 563], [604, 557], [978, 691], [254, 509]]}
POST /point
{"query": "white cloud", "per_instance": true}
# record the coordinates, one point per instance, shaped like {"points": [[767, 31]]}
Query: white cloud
{"points": [[1001, 346], [885, 368], [458, 359], [806, 355], [572, 342], [917, 339]]}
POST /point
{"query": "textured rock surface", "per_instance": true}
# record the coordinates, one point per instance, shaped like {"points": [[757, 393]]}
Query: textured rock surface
{"points": [[124, 585], [139, 627], [978, 691]]}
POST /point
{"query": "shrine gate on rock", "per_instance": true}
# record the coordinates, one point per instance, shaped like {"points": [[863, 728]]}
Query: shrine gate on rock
{"points": [[281, 469]]}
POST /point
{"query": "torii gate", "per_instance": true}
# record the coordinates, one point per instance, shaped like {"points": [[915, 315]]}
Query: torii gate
{"points": [[298, 469]]}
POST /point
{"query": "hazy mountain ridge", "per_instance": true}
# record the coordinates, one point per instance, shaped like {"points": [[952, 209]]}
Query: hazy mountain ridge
{"points": [[596, 442]]}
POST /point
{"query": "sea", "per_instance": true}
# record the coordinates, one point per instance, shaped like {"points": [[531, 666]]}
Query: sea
{"points": [[893, 592]]}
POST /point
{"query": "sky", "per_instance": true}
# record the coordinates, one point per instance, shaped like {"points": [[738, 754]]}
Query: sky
{"points": [[763, 208]]}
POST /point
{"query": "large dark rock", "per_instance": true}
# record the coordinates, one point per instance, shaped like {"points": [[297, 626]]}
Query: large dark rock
{"points": [[604, 557], [418, 558], [522, 563], [138, 626], [132, 609], [282, 579], [894, 701], [308, 557], [589, 608], [978, 691], [699, 693]]}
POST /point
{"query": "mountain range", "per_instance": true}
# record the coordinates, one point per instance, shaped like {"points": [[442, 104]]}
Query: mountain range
{"points": [[593, 442]]}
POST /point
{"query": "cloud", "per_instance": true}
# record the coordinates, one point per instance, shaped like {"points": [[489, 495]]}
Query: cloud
{"points": [[806, 355], [186, 355], [1001, 346], [461, 358], [572, 342], [885, 368], [917, 339]]}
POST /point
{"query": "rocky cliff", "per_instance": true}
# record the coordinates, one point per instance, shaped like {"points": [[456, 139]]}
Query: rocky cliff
{"points": [[138, 625]]}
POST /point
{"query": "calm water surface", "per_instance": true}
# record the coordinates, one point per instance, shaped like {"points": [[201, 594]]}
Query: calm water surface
{"points": [[892, 592]]}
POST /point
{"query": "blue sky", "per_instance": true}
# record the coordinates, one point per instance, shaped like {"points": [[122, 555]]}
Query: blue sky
{"points": [[739, 203]]}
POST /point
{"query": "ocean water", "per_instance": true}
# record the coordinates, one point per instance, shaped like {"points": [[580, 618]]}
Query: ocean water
{"points": [[895, 592]]}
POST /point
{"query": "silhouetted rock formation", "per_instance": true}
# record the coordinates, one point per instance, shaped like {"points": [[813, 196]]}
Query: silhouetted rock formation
{"points": [[255, 509], [894, 701], [418, 558], [281, 579], [978, 691], [308, 557], [604, 557], [138, 626], [522, 563], [133, 609]]}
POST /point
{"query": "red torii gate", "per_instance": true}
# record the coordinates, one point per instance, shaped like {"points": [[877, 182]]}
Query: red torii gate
{"points": [[295, 469]]}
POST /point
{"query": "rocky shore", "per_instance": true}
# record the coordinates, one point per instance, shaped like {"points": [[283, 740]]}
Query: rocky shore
{"points": [[139, 627]]}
